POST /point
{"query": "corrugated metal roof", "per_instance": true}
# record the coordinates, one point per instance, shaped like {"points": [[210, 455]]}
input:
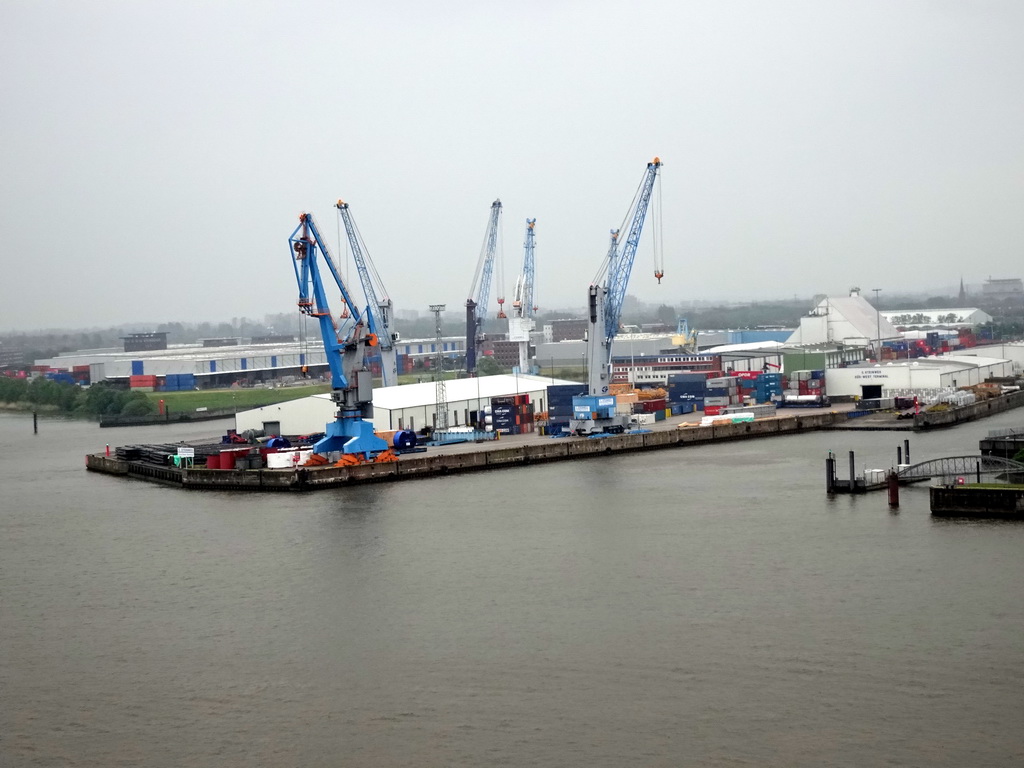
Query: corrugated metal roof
{"points": [[771, 347], [424, 393], [909, 318]]}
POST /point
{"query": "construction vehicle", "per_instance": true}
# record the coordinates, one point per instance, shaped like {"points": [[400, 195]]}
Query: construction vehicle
{"points": [[346, 343], [522, 323], [595, 412], [379, 308], [480, 290]]}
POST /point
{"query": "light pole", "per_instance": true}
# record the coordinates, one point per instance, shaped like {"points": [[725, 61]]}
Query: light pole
{"points": [[632, 362], [440, 393], [878, 327]]}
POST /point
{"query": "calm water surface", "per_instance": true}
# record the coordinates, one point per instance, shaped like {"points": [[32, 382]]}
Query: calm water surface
{"points": [[702, 606]]}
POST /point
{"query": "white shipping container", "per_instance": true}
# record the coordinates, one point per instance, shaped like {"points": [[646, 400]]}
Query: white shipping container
{"points": [[874, 476]]}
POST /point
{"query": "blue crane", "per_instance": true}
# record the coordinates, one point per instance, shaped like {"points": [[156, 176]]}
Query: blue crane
{"points": [[379, 309], [345, 345], [523, 308], [604, 301], [522, 302], [480, 290]]}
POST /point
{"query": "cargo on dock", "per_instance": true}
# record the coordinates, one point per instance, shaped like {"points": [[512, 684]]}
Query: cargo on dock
{"points": [[236, 466]]}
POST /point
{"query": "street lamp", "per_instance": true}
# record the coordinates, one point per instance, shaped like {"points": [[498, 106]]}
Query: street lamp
{"points": [[878, 327]]}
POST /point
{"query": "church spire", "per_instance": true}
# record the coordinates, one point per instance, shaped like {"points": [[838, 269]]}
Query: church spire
{"points": [[963, 292]]}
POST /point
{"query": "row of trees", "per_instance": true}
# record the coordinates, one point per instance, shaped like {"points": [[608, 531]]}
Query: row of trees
{"points": [[97, 400]]}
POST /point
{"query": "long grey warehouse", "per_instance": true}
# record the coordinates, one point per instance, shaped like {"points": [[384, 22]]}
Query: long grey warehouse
{"points": [[411, 406]]}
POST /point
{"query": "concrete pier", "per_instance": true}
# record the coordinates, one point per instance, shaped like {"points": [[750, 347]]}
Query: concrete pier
{"points": [[492, 455], [969, 501]]}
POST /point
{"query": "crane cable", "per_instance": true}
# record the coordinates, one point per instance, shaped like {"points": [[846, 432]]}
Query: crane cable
{"points": [[659, 253], [371, 268], [499, 265], [606, 265]]}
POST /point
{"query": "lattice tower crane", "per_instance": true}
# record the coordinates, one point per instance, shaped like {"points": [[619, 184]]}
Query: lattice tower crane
{"points": [[480, 290], [605, 297], [522, 323], [351, 432], [380, 310]]}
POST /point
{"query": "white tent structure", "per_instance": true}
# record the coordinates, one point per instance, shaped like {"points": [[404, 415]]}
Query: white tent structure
{"points": [[849, 320]]}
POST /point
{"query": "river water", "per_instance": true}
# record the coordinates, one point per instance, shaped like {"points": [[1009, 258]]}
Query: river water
{"points": [[701, 606]]}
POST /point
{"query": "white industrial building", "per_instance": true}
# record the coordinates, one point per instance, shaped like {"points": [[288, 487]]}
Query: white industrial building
{"points": [[568, 353], [411, 406], [871, 380], [914, 319], [222, 366], [849, 320]]}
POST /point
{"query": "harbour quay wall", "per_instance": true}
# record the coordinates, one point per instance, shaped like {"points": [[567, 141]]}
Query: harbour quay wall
{"points": [[491, 456], [967, 501], [954, 416]]}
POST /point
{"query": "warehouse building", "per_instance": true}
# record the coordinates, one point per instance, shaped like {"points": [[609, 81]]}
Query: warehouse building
{"points": [[222, 366], [936, 319], [872, 380], [411, 406]]}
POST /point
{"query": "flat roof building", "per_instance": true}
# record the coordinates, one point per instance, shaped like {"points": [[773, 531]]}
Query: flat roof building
{"points": [[410, 406]]}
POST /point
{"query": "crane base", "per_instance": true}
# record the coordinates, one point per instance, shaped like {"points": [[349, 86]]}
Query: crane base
{"points": [[351, 436]]}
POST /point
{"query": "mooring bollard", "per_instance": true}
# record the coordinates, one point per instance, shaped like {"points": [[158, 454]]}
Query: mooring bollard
{"points": [[830, 474]]}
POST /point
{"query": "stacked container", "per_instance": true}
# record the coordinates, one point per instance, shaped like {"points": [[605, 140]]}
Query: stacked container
{"points": [[720, 392], [688, 388], [512, 414], [142, 383], [767, 387], [805, 387], [560, 405], [175, 382]]}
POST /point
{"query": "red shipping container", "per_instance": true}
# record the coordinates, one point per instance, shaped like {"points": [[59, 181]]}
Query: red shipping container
{"points": [[712, 410]]}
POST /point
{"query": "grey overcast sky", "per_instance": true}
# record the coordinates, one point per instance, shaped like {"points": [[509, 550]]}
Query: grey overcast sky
{"points": [[155, 156]]}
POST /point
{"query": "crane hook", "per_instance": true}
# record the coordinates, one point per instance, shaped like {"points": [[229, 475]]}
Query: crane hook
{"points": [[659, 274]]}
